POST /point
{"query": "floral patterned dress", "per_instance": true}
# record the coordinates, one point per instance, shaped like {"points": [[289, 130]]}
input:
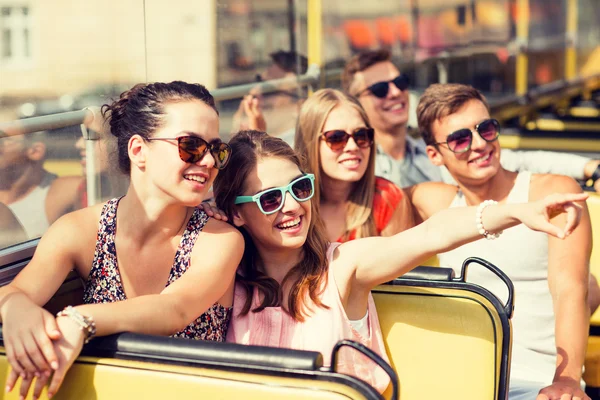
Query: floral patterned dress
{"points": [[104, 283]]}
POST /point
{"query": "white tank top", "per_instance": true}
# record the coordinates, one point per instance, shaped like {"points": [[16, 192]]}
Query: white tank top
{"points": [[31, 209], [522, 254]]}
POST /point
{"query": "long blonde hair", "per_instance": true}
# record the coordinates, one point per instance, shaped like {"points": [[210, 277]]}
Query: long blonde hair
{"points": [[314, 113]]}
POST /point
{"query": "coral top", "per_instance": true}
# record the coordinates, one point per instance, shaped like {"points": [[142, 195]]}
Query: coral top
{"points": [[386, 200], [319, 331]]}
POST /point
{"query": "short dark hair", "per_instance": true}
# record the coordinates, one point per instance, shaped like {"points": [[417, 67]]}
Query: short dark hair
{"points": [[440, 100], [290, 61], [359, 63]]}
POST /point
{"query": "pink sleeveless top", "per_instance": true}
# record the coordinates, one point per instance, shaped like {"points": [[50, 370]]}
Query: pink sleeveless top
{"points": [[320, 331]]}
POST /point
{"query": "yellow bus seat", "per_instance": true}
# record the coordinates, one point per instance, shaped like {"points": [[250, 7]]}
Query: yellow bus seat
{"points": [[137, 366], [593, 203], [591, 374], [446, 338]]}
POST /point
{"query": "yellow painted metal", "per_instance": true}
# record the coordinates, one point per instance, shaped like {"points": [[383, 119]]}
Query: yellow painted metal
{"points": [[560, 126], [111, 379], [564, 144], [315, 32], [432, 262], [591, 374], [571, 50], [592, 358], [64, 167], [451, 336], [584, 112], [593, 203], [522, 65]]}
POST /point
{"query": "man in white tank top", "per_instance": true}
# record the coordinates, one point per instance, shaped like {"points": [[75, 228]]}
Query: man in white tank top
{"points": [[36, 197], [550, 323]]}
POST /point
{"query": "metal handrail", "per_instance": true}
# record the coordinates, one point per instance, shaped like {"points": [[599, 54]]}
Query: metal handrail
{"points": [[311, 77], [90, 119], [53, 121], [87, 116]]}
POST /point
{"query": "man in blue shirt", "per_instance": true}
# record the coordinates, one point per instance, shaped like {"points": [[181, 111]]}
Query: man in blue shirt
{"points": [[382, 90]]}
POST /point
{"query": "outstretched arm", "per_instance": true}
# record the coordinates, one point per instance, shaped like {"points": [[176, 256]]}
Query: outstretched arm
{"points": [[378, 260], [214, 261], [173, 309], [163, 314]]}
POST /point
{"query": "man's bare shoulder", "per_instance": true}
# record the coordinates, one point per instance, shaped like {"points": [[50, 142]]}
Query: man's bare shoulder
{"points": [[431, 197], [64, 195], [544, 184], [71, 183]]}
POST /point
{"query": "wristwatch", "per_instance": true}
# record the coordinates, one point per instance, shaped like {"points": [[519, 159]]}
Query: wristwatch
{"points": [[87, 324]]}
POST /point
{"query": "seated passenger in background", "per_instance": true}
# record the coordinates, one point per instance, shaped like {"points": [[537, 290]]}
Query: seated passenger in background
{"points": [[175, 268], [35, 196], [297, 290], [113, 183], [11, 231], [382, 90], [278, 109], [550, 322], [336, 141]]}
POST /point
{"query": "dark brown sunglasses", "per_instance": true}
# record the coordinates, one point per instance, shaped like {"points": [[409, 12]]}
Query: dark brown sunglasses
{"points": [[193, 148], [337, 139]]}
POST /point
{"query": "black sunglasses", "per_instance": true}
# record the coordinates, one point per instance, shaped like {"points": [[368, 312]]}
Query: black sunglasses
{"points": [[381, 89], [461, 140], [337, 139], [193, 148]]}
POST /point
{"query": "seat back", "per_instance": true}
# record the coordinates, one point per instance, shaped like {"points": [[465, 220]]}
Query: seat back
{"points": [[150, 367], [593, 203], [446, 338]]}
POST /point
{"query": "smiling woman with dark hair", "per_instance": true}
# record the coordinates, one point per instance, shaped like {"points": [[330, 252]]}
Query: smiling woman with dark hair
{"points": [[161, 280]]}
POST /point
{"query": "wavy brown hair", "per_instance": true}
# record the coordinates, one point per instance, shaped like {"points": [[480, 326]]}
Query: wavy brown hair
{"points": [[314, 113], [310, 274]]}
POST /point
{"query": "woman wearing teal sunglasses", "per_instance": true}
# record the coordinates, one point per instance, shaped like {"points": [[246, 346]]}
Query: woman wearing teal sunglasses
{"points": [[297, 290]]}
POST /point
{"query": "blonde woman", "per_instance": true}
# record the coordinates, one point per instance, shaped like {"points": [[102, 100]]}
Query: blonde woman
{"points": [[335, 139]]}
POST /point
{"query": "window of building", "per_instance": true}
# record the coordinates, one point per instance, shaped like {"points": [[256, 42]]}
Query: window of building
{"points": [[15, 34]]}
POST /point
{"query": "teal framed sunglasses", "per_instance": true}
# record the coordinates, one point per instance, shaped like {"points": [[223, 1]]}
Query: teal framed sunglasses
{"points": [[271, 200]]}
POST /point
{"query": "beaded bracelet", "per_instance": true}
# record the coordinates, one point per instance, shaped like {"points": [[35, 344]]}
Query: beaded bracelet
{"points": [[479, 222], [87, 324]]}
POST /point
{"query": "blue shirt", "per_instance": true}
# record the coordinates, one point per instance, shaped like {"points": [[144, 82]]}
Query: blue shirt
{"points": [[414, 168]]}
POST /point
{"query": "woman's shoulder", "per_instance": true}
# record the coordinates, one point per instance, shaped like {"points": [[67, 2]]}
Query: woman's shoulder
{"points": [[82, 217], [74, 232], [218, 235], [388, 191]]}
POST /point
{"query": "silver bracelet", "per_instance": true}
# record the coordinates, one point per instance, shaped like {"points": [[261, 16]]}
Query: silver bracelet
{"points": [[87, 324], [479, 222]]}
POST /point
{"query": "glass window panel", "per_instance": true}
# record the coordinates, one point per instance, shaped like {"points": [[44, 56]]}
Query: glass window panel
{"points": [[469, 40], [6, 43], [261, 40], [85, 55], [588, 37], [26, 43]]}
